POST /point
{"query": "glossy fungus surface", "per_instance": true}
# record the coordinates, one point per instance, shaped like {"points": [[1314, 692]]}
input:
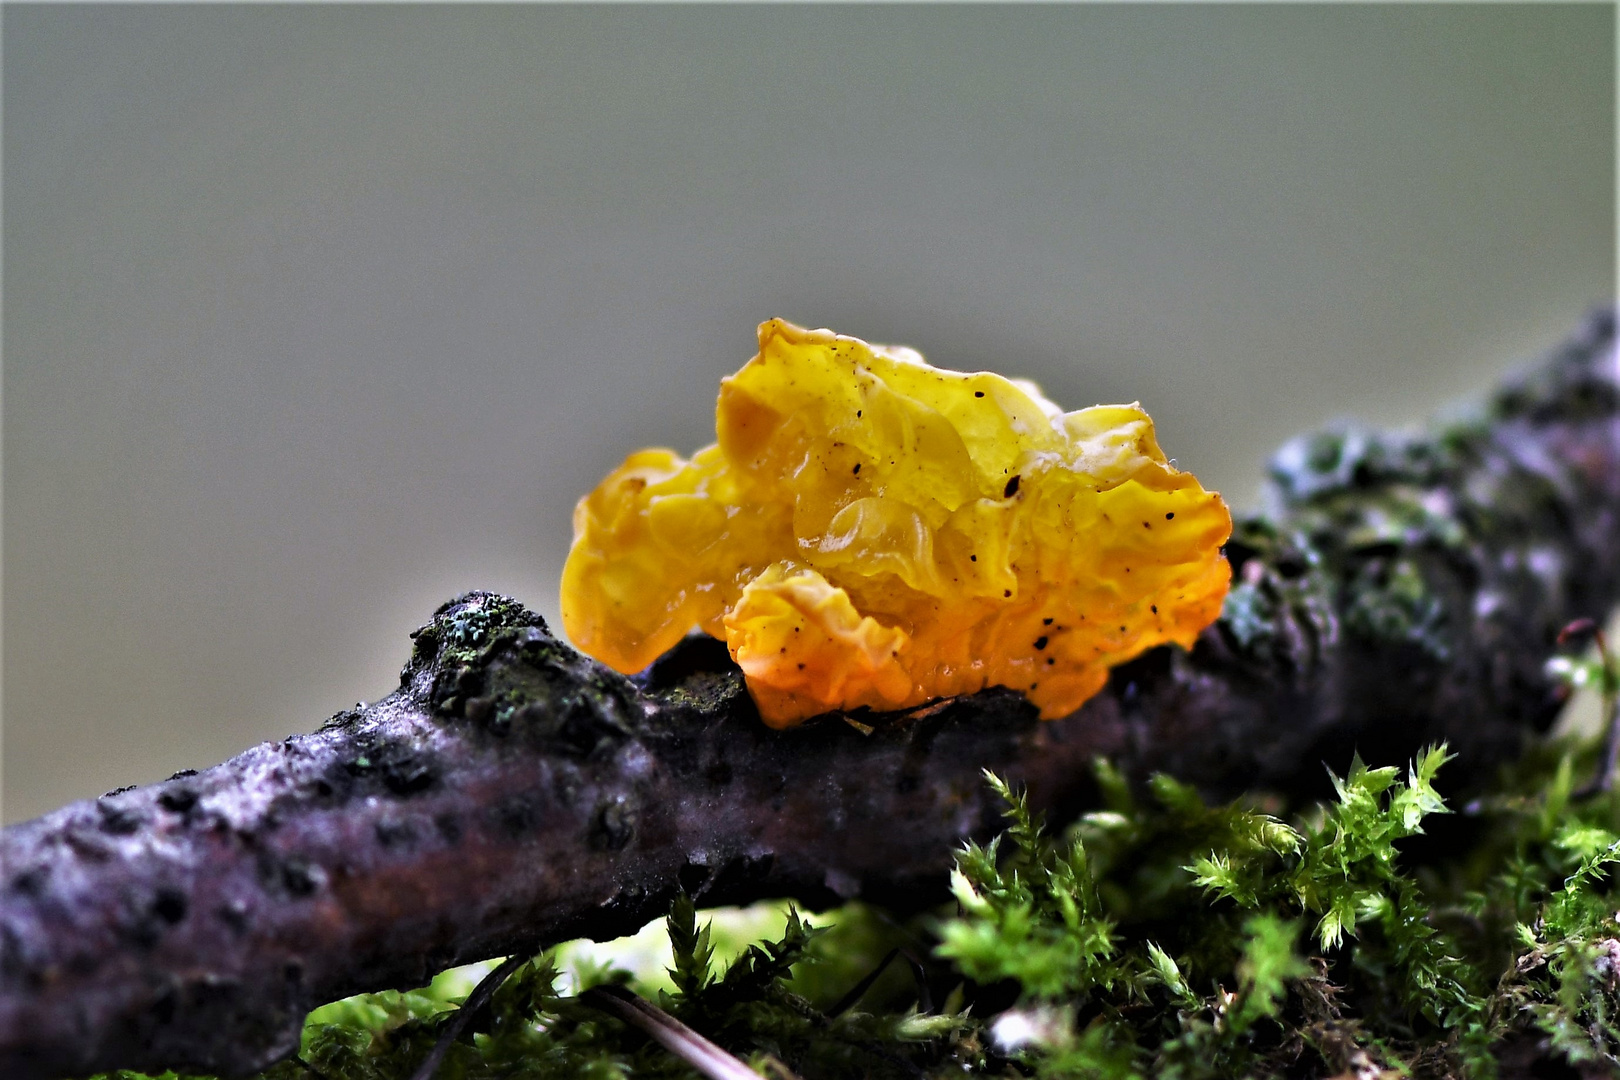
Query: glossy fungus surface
{"points": [[869, 530]]}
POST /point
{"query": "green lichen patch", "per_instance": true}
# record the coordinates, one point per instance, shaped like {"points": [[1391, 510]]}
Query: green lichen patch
{"points": [[489, 664], [463, 630], [1389, 600]]}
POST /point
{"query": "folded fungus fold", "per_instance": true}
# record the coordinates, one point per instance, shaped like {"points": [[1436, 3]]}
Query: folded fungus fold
{"points": [[870, 530]]}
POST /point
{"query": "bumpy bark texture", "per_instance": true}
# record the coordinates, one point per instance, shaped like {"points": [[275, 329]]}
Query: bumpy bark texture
{"points": [[511, 793]]}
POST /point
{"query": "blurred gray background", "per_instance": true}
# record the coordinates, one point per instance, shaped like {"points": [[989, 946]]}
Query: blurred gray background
{"points": [[317, 316]]}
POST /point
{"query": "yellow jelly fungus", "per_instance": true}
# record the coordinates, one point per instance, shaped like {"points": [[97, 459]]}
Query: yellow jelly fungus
{"points": [[870, 530]]}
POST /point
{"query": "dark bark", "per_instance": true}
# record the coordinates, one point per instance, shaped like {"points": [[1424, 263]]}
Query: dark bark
{"points": [[511, 793]]}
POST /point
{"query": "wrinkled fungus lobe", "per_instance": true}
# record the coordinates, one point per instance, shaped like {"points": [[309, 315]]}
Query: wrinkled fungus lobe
{"points": [[871, 530]]}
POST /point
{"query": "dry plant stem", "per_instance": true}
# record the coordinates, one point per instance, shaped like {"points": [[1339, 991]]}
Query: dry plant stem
{"points": [[458, 1023], [858, 991], [1603, 780], [1611, 740], [668, 1032], [307, 1067], [511, 793]]}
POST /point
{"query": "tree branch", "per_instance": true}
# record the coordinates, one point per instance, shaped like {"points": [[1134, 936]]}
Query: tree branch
{"points": [[512, 794]]}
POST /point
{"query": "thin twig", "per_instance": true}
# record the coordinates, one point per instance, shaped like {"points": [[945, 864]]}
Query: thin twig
{"points": [[476, 1000], [1603, 780], [924, 999], [668, 1032], [311, 1069], [1611, 742]]}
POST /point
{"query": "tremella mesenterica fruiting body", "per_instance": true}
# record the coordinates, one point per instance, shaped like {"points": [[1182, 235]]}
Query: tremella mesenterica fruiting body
{"points": [[869, 530]]}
